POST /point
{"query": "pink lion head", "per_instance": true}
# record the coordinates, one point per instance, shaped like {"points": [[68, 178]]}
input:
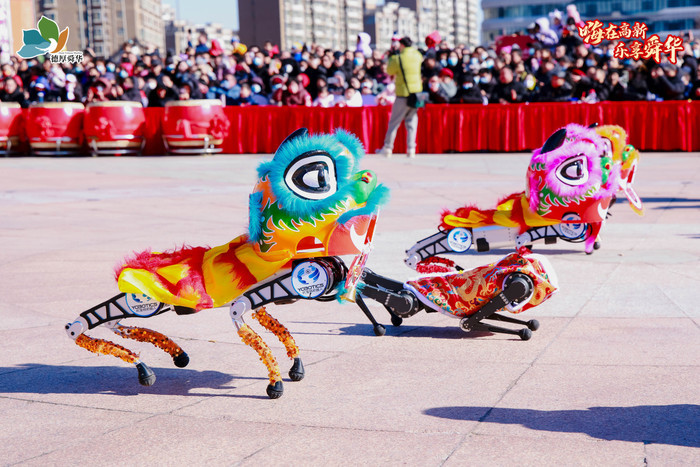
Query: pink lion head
{"points": [[570, 173]]}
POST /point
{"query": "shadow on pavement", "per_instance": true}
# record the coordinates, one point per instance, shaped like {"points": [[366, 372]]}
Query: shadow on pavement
{"points": [[653, 199], [33, 378], [433, 332], [677, 425]]}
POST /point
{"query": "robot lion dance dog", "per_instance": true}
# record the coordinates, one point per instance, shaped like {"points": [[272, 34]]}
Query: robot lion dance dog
{"points": [[571, 184], [312, 204]]}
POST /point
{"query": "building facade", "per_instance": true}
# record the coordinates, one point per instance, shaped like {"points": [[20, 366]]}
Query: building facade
{"points": [[104, 25], [456, 20], [661, 16], [382, 22], [329, 23]]}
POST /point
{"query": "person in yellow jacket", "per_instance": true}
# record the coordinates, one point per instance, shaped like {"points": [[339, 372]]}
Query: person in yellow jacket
{"points": [[407, 79]]}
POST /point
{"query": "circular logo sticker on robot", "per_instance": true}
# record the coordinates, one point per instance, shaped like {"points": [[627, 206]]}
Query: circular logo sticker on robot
{"points": [[572, 230], [141, 304], [309, 279], [459, 239]]}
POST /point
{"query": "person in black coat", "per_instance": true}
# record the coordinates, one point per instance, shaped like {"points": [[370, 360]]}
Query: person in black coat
{"points": [[582, 84], [131, 92], [601, 86], [164, 92], [557, 89], [486, 82], [508, 91], [469, 92], [436, 93], [665, 82], [637, 88], [12, 92], [617, 89]]}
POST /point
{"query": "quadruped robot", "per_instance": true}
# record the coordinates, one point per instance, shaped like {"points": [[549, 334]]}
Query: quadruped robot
{"points": [[572, 182], [311, 205]]}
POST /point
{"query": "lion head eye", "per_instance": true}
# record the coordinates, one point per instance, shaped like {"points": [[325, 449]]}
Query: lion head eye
{"points": [[573, 171], [312, 176]]}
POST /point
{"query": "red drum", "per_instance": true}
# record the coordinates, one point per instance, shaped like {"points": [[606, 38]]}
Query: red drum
{"points": [[55, 128], [115, 127], [196, 126], [11, 127]]}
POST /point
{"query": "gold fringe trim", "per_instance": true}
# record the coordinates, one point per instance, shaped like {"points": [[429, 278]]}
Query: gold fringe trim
{"points": [[279, 330], [252, 339], [159, 340], [105, 347]]}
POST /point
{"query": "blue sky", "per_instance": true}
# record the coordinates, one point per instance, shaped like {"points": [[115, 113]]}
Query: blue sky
{"points": [[208, 11]]}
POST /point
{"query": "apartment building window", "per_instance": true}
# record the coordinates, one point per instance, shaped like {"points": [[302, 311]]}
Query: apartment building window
{"points": [[119, 14], [120, 31], [49, 4], [97, 32], [97, 15]]}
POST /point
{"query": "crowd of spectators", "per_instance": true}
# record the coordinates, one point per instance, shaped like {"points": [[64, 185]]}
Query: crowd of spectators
{"points": [[555, 65]]}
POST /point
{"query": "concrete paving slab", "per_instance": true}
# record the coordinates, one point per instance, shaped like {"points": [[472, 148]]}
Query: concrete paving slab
{"points": [[498, 450], [643, 404], [34, 429], [640, 341], [608, 379], [373, 391], [190, 441], [323, 446]]}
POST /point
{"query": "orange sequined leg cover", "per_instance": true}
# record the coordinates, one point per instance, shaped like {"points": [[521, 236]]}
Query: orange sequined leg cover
{"points": [[279, 330], [251, 338], [105, 347], [159, 340]]}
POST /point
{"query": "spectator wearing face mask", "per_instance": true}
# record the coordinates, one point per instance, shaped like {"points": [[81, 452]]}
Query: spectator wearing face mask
{"points": [[163, 92], [447, 82], [131, 91], [454, 64], [469, 92], [436, 93], [486, 82]]}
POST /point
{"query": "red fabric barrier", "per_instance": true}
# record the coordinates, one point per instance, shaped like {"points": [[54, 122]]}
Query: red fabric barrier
{"points": [[652, 126]]}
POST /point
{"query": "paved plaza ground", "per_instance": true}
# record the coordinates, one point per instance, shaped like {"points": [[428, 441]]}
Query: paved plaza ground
{"points": [[610, 378]]}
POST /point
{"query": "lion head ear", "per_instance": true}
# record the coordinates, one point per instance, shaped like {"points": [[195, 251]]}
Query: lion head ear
{"points": [[295, 134], [554, 141]]}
